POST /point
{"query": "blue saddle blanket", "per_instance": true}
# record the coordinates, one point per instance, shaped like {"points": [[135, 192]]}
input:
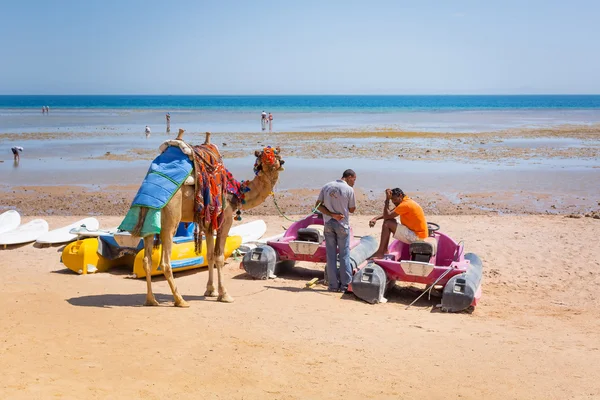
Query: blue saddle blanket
{"points": [[167, 173]]}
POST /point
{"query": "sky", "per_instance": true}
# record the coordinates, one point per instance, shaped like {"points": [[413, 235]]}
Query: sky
{"points": [[300, 47]]}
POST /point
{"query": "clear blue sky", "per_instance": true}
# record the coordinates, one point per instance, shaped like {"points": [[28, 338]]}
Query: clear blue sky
{"points": [[299, 47]]}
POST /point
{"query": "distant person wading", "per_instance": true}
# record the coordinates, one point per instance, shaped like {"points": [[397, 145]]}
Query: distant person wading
{"points": [[263, 120], [15, 150]]}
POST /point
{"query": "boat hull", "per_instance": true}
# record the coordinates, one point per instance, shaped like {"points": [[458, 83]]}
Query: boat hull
{"points": [[82, 257]]}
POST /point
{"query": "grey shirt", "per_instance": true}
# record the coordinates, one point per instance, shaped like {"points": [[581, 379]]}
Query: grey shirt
{"points": [[338, 197]]}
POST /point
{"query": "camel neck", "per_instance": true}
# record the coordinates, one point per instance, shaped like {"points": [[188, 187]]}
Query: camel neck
{"points": [[259, 189]]}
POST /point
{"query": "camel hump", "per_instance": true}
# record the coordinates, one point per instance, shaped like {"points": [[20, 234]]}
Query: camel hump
{"points": [[180, 134], [207, 140]]}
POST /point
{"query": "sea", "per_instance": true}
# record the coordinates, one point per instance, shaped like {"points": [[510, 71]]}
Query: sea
{"points": [[295, 113], [115, 125]]}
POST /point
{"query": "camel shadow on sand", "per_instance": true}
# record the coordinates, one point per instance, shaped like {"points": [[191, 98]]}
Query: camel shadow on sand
{"points": [[125, 300]]}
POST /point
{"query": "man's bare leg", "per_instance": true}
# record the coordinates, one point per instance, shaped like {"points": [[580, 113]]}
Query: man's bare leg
{"points": [[388, 228]]}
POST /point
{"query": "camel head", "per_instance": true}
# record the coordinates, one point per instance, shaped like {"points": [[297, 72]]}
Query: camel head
{"points": [[268, 160]]}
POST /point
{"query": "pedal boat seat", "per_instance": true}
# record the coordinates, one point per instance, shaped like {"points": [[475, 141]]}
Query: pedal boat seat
{"points": [[423, 250], [310, 235]]}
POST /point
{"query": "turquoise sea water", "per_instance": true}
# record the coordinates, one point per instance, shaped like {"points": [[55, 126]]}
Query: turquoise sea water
{"points": [[130, 114], [304, 103]]}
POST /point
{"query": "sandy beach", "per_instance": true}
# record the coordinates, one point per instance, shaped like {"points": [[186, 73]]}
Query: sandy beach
{"points": [[533, 336]]}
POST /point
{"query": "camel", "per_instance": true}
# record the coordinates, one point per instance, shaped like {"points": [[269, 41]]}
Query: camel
{"points": [[181, 209]]}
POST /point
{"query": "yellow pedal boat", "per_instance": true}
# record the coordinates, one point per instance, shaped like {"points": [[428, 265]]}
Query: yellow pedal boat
{"points": [[83, 256]]}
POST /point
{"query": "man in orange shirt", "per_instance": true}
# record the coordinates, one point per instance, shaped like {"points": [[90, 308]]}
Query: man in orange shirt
{"points": [[412, 226]]}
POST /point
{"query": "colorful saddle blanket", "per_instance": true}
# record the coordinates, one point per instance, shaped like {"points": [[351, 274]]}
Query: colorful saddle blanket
{"points": [[165, 176], [167, 173]]}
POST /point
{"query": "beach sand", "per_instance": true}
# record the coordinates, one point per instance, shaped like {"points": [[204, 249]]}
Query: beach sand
{"points": [[535, 334]]}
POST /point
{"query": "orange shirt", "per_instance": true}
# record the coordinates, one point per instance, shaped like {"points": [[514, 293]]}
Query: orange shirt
{"points": [[412, 216]]}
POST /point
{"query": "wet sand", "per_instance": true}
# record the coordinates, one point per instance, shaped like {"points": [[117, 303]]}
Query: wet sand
{"points": [[115, 200], [541, 170]]}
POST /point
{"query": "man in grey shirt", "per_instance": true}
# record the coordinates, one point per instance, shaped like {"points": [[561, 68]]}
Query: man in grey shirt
{"points": [[336, 201]]}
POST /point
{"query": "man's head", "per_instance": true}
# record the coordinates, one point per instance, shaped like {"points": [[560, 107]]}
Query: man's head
{"points": [[349, 176], [397, 196]]}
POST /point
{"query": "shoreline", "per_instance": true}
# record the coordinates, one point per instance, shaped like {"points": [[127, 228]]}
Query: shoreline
{"points": [[310, 120], [69, 200]]}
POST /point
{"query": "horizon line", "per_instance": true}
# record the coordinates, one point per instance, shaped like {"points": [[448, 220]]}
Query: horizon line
{"points": [[314, 94]]}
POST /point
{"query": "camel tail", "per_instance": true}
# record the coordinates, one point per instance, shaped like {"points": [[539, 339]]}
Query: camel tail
{"points": [[139, 225], [197, 234]]}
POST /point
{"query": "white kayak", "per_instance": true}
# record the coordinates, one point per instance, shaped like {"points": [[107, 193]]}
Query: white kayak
{"points": [[250, 231], [83, 231], [25, 233], [63, 235], [9, 220]]}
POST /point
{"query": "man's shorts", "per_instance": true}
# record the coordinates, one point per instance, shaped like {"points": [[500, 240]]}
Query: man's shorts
{"points": [[15, 151], [405, 235]]}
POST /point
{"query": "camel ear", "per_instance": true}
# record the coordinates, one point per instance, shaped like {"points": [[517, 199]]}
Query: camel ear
{"points": [[257, 153]]}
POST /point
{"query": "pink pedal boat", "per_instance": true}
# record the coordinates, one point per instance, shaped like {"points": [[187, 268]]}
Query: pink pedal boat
{"points": [[301, 242], [436, 261]]}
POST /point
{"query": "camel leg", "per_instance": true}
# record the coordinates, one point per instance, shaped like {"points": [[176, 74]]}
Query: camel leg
{"points": [[147, 262], [166, 237], [210, 250], [219, 255], [170, 218]]}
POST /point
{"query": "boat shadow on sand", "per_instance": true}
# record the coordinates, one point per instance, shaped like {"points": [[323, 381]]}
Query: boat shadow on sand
{"points": [[405, 295], [292, 273]]}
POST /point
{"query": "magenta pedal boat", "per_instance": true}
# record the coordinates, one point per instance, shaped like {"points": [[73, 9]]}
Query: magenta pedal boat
{"points": [[302, 241], [438, 261]]}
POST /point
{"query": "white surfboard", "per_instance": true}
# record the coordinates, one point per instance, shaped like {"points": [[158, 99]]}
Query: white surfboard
{"points": [[9, 220], [83, 231], [246, 247], [28, 232], [63, 235], [270, 238], [250, 231]]}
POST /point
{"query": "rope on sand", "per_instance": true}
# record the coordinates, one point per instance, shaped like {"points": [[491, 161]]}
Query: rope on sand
{"points": [[314, 210]]}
